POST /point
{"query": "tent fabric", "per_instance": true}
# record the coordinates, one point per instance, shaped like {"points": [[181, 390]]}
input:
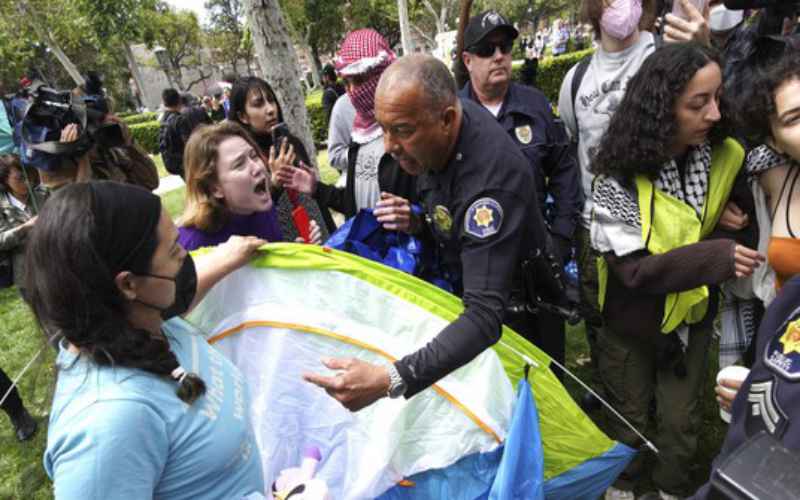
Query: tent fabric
{"points": [[521, 470], [298, 303]]}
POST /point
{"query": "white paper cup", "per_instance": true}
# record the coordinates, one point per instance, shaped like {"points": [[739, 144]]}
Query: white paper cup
{"points": [[738, 373]]}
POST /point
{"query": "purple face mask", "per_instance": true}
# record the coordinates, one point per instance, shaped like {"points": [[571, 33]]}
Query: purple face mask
{"points": [[621, 18]]}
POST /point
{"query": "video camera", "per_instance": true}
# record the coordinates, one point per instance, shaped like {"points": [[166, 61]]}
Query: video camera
{"points": [[774, 14], [49, 112]]}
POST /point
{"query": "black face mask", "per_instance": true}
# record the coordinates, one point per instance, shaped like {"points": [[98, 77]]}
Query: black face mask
{"points": [[185, 290]]}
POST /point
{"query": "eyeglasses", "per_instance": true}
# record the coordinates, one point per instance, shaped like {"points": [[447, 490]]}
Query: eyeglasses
{"points": [[487, 48]]}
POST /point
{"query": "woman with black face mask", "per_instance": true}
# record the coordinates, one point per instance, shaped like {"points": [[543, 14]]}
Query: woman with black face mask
{"points": [[107, 282]]}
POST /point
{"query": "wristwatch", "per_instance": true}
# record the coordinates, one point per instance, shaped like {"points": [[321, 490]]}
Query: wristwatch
{"points": [[397, 386]]}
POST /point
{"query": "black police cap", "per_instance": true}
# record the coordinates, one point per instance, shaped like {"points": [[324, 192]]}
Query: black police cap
{"points": [[484, 23]]}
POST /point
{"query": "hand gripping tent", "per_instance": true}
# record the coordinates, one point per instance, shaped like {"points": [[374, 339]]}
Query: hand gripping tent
{"points": [[296, 304]]}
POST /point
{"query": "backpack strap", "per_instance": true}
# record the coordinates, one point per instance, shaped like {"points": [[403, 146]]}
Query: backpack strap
{"points": [[577, 78]]}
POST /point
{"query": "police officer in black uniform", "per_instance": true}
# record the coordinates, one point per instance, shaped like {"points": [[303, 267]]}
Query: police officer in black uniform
{"points": [[478, 193], [526, 115], [769, 399]]}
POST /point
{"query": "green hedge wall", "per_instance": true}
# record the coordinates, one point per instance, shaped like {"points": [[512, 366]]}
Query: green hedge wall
{"points": [[146, 135], [552, 71], [140, 118]]}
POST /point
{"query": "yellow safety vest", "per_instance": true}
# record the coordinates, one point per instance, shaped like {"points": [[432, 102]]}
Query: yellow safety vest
{"points": [[678, 224]]}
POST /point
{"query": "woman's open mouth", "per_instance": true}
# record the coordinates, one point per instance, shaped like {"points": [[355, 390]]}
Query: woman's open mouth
{"points": [[261, 187]]}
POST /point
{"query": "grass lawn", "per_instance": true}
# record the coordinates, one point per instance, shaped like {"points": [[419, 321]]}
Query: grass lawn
{"points": [[22, 475]]}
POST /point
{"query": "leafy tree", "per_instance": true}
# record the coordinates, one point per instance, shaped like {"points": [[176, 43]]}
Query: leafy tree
{"points": [[180, 35], [228, 34]]}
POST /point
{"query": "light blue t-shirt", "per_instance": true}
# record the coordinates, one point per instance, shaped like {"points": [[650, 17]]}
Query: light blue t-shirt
{"points": [[122, 433]]}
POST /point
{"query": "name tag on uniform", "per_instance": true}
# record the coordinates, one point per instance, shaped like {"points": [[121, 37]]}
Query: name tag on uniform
{"points": [[524, 134], [484, 218]]}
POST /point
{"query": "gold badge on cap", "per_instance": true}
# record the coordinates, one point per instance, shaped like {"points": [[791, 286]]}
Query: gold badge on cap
{"points": [[442, 218], [524, 134]]}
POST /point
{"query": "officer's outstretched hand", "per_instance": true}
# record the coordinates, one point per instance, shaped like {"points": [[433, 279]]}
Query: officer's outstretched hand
{"points": [[394, 213], [357, 385]]}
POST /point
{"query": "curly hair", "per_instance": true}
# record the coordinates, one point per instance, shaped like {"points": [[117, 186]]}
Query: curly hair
{"points": [[756, 112], [71, 288], [203, 210], [638, 137]]}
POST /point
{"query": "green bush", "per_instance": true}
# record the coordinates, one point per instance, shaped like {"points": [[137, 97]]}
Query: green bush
{"points": [[316, 117], [140, 118], [146, 135], [552, 71]]}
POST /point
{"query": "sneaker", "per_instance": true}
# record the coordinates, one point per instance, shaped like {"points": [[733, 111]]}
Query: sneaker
{"points": [[24, 425], [617, 494]]}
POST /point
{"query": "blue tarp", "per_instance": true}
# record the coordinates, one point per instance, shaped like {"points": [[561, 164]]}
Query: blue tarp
{"points": [[515, 471]]}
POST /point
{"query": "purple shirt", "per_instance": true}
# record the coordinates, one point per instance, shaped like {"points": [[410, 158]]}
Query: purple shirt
{"points": [[261, 224]]}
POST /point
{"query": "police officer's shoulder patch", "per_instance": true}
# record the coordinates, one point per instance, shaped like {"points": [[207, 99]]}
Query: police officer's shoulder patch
{"points": [[483, 218], [782, 354], [524, 134]]}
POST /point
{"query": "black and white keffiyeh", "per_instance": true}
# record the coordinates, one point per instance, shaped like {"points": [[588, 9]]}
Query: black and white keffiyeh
{"points": [[616, 221], [694, 187], [763, 158]]}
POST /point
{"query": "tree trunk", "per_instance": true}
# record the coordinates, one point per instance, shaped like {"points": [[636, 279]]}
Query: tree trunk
{"points": [[405, 28], [46, 38], [137, 75], [315, 67], [278, 60]]}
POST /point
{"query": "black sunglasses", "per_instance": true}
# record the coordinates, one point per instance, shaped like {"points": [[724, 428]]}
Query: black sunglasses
{"points": [[486, 48]]}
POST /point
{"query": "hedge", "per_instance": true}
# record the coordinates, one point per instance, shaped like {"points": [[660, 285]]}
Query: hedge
{"points": [[551, 73], [140, 118], [146, 135]]}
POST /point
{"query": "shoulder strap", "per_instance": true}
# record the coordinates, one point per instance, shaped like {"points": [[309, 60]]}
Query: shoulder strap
{"points": [[577, 78]]}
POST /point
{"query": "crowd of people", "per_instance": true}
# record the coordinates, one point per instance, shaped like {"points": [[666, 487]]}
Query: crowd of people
{"points": [[667, 169]]}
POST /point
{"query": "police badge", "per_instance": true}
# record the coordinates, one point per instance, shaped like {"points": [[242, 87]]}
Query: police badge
{"points": [[442, 219], [524, 134]]}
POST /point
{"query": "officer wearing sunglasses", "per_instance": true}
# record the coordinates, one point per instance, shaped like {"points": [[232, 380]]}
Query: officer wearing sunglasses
{"points": [[526, 115]]}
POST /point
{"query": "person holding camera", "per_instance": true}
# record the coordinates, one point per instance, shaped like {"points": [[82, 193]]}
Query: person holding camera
{"points": [[143, 406]]}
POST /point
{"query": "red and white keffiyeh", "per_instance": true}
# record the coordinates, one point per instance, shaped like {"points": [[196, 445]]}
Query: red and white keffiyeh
{"points": [[364, 52]]}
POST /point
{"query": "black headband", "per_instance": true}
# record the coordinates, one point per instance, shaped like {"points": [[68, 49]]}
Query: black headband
{"points": [[126, 221]]}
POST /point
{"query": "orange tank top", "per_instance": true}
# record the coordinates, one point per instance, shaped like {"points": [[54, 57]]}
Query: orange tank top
{"points": [[783, 254]]}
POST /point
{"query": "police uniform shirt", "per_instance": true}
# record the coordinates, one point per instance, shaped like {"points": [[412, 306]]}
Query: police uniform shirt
{"points": [[482, 212], [527, 117], [769, 399]]}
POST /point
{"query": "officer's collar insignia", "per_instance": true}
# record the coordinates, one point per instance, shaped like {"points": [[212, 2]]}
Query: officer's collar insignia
{"points": [[524, 134], [782, 354], [763, 410], [442, 219], [484, 218]]}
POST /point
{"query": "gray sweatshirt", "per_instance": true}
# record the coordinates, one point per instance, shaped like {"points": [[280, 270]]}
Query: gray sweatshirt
{"points": [[599, 95]]}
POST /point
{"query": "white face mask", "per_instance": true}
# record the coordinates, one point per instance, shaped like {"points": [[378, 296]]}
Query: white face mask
{"points": [[723, 19]]}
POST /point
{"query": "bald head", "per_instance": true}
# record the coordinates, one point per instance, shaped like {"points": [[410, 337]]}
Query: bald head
{"points": [[427, 75]]}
